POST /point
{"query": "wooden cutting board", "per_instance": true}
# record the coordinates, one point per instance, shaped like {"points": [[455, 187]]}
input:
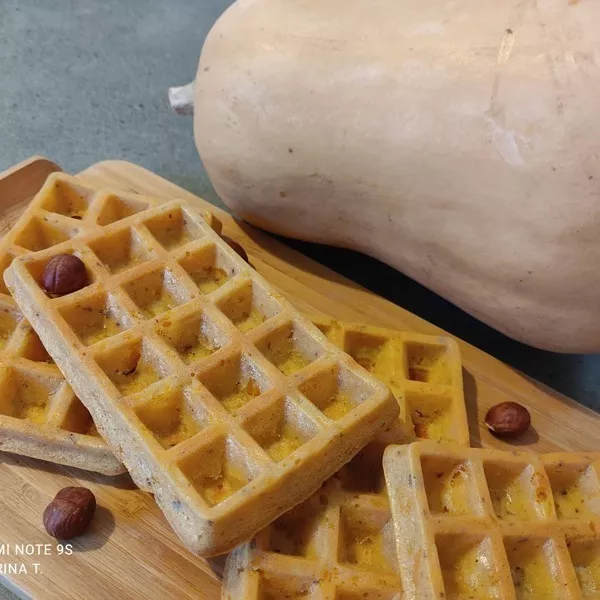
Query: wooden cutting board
{"points": [[130, 552]]}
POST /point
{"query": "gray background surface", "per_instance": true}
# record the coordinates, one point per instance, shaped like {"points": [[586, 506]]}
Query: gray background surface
{"points": [[82, 81]]}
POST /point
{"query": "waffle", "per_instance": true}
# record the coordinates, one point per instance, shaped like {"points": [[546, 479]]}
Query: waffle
{"points": [[65, 208], [217, 395], [337, 544], [489, 524], [52, 424], [424, 372], [41, 417]]}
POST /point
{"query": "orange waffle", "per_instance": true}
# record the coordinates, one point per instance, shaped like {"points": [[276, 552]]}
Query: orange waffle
{"points": [[39, 414], [488, 524], [51, 423], [338, 544], [218, 396], [423, 371]]}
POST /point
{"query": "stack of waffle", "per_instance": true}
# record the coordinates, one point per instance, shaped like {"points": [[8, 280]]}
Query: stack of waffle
{"points": [[261, 431]]}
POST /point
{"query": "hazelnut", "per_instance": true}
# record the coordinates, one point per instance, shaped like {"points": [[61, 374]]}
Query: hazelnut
{"points": [[237, 247], [508, 419], [64, 274], [69, 513]]}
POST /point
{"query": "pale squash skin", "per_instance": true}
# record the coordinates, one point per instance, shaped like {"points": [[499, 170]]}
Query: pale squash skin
{"points": [[458, 142]]}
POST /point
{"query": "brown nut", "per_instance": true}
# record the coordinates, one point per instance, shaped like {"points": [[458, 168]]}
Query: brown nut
{"points": [[508, 419], [69, 513], [64, 274], [237, 247]]}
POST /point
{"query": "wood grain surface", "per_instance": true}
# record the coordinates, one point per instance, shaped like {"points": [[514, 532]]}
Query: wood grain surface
{"points": [[130, 552]]}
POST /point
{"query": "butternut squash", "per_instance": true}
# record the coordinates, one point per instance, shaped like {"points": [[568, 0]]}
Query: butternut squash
{"points": [[458, 141]]}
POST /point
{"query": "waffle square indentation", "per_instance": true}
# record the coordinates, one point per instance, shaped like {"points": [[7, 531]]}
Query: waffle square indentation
{"points": [[431, 413], [116, 207], [335, 391], [156, 292], [121, 250], [40, 234], [468, 567], [208, 267], [428, 363], [77, 419], [575, 489], [173, 228], [585, 556], [297, 532], [95, 318], [248, 306], [534, 568], [235, 381], [193, 336], [281, 428], [24, 395], [272, 586], [32, 347], [6, 259], [366, 539], [67, 199], [370, 351], [518, 491], [364, 474], [290, 348], [133, 366], [450, 486], [218, 469], [8, 323], [171, 414]]}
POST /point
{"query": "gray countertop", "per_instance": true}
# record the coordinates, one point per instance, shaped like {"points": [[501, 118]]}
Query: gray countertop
{"points": [[82, 81]]}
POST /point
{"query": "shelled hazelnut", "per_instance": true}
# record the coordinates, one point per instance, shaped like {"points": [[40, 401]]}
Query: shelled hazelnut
{"points": [[64, 274], [508, 419], [71, 511]]}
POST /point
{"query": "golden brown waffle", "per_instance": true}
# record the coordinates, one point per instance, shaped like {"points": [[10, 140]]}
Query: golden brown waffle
{"points": [[50, 423], [65, 208], [218, 396], [39, 413], [40, 416], [337, 544], [423, 371], [488, 524]]}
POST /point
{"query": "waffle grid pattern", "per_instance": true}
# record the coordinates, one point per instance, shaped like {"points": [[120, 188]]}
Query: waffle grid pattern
{"points": [[53, 425], [61, 210], [40, 416], [215, 392], [473, 523], [424, 373], [65, 208], [338, 544]]}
